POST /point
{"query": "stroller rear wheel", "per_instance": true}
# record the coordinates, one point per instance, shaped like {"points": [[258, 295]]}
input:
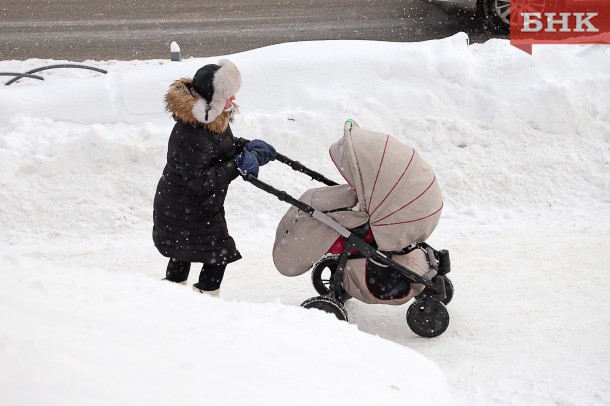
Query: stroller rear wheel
{"points": [[327, 304], [428, 324], [322, 275]]}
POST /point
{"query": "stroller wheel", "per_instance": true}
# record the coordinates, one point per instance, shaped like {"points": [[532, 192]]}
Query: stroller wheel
{"points": [[327, 304], [322, 275], [448, 291], [428, 325]]}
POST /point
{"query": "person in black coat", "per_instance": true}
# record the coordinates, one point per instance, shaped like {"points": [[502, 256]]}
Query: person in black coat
{"points": [[203, 158]]}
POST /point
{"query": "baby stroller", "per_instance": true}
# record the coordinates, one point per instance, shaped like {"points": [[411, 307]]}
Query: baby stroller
{"points": [[366, 239]]}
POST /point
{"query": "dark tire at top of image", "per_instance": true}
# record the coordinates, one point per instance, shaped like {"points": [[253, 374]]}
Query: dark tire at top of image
{"points": [[497, 14]]}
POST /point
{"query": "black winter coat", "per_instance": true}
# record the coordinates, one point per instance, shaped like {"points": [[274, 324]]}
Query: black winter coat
{"points": [[189, 217]]}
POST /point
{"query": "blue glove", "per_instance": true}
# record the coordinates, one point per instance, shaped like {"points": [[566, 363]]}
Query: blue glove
{"points": [[264, 151], [247, 162], [255, 154]]}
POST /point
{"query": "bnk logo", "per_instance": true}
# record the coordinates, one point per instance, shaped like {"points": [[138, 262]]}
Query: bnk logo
{"points": [[567, 22], [559, 22]]}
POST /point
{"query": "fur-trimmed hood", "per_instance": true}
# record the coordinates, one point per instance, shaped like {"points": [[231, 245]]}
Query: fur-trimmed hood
{"points": [[181, 99]]}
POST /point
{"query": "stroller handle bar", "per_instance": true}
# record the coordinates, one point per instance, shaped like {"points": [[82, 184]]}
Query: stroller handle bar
{"points": [[280, 194], [299, 167]]}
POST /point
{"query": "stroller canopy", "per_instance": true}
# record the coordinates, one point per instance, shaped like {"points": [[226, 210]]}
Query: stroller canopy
{"points": [[393, 183]]}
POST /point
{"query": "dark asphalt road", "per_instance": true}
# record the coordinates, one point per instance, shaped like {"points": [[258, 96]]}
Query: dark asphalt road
{"points": [[91, 29]]}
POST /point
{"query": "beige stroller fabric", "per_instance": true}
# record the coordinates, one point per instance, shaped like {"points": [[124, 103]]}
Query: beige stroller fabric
{"points": [[301, 240], [394, 185]]}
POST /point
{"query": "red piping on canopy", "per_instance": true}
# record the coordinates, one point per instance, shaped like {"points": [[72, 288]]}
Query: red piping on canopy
{"points": [[396, 184], [397, 210], [378, 170], [409, 221]]}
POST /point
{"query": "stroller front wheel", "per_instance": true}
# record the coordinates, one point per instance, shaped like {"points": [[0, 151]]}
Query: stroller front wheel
{"points": [[428, 324], [328, 305]]}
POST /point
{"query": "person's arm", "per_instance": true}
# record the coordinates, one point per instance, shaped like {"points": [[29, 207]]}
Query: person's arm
{"points": [[200, 173]]}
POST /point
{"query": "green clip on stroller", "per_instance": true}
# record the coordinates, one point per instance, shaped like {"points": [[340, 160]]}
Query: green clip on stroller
{"points": [[366, 239]]}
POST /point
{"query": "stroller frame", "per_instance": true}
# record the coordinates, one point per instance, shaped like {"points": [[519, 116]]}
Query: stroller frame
{"points": [[429, 317]]}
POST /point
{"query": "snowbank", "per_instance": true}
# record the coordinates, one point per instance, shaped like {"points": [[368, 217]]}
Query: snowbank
{"points": [[503, 130], [87, 336]]}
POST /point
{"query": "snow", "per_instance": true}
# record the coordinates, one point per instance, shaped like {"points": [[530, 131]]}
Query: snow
{"points": [[133, 340], [519, 144]]}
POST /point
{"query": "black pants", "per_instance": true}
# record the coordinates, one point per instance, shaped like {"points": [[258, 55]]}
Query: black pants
{"points": [[210, 276]]}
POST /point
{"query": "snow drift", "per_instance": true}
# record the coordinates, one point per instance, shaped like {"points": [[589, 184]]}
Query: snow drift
{"points": [[86, 336]]}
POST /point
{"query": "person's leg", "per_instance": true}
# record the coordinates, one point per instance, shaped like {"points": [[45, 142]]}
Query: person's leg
{"points": [[177, 271], [210, 279]]}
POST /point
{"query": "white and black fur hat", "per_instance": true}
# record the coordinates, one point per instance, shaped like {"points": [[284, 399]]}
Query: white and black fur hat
{"points": [[215, 84]]}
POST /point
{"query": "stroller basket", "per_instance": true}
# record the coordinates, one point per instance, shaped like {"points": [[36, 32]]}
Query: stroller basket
{"points": [[397, 240]]}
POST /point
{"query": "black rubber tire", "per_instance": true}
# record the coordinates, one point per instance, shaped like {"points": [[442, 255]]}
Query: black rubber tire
{"points": [[322, 286], [495, 14], [428, 326], [448, 291], [328, 305]]}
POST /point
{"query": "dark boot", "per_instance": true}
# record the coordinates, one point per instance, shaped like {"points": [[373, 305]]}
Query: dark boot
{"points": [[210, 279], [177, 271]]}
